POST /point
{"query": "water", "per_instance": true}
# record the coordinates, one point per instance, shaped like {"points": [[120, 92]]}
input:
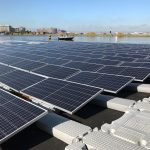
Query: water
{"points": [[131, 40]]}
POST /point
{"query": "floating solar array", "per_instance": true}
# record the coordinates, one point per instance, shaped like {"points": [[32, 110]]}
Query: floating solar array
{"points": [[110, 83], [16, 114], [65, 96], [69, 60]]}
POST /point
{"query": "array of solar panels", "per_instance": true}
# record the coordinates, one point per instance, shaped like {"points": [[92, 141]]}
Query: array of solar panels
{"points": [[64, 73], [16, 114]]}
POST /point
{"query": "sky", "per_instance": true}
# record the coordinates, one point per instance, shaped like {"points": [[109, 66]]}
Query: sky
{"points": [[78, 15]]}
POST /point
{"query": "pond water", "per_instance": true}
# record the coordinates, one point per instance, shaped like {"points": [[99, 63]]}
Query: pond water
{"points": [[131, 40]]}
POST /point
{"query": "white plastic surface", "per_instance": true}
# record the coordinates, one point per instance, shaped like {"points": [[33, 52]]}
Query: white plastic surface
{"points": [[115, 103], [143, 105], [64, 129], [103, 141], [133, 127], [76, 146]]}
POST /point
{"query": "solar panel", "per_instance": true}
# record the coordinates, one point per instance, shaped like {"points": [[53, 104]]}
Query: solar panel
{"points": [[132, 64], [92, 55], [127, 59], [84, 66], [19, 80], [28, 64], [75, 58], [55, 61], [132, 55], [104, 61], [59, 72], [16, 114], [142, 60], [5, 69], [140, 74], [28, 56], [9, 59], [146, 65], [110, 83], [63, 95], [111, 69]]}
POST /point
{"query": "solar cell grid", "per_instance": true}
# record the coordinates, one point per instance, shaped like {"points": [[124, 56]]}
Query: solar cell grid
{"points": [[59, 72], [66, 96], [111, 69], [84, 66], [132, 64], [110, 83], [10, 60], [19, 80], [142, 60], [75, 58], [28, 64], [55, 61], [127, 59], [16, 114], [140, 74], [28, 56], [5, 69], [104, 61], [92, 55]]}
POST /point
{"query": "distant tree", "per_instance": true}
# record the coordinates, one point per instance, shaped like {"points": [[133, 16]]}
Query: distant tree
{"points": [[92, 34], [120, 34]]}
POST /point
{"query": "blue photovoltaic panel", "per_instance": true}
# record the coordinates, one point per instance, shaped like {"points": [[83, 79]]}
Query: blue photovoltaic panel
{"points": [[84, 66], [111, 69], [5, 69], [64, 95], [55, 61], [132, 55], [110, 83], [146, 65], [28, 65], [104, 61], [28, 56], [9, 59], [140, 74], [137, 64], [19, 80], [132, 64], [56, 71], [143, 60], [92, 55], [75, 58], [126, 59], [16, 114]]}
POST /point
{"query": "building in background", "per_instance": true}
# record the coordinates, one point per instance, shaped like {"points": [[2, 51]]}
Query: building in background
{"points": [[6, 29], [53, 30], [47, 31], [20, 30]]}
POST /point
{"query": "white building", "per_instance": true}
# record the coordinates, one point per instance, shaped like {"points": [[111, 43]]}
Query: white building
{"points": [[6, 28]]}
